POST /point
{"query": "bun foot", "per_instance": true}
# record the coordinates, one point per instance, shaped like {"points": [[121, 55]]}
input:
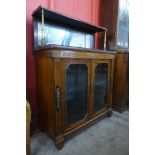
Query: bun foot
{"points": [[59, 146], [59, 142], [109, 113]]}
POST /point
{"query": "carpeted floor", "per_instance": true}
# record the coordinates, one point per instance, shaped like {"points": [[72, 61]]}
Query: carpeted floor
{"points": [[109, 136]]}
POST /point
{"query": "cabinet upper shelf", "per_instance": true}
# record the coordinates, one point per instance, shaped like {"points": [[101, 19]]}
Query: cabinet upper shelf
{"points": [[66, 20]]}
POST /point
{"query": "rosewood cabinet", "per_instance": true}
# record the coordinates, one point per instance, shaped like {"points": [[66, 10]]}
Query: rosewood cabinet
{"points": [[74, 89], [74, 80]]}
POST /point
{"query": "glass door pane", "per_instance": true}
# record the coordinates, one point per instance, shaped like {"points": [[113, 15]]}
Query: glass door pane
{"points": [[100, 86], [76, 92]]}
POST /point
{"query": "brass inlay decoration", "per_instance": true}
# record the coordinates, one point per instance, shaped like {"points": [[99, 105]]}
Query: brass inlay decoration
{"points": [[72, 54]]}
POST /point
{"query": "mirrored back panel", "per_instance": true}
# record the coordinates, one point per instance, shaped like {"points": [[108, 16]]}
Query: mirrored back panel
{"points": [[59, 35]]}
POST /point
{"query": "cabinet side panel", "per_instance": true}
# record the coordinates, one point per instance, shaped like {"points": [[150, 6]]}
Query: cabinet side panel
{"points": [[45, 93]]}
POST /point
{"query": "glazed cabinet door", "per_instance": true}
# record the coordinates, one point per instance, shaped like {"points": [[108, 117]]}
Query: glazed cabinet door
{"points": [[100, 85], [76, 84]]}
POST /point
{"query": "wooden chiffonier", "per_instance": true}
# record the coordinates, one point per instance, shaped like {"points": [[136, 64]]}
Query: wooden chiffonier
{"points": [[74, 80]]}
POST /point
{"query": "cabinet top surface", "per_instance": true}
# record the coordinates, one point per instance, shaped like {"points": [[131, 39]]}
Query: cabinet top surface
{"points": [[69, 52], [66, 20], [75, 49]]}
